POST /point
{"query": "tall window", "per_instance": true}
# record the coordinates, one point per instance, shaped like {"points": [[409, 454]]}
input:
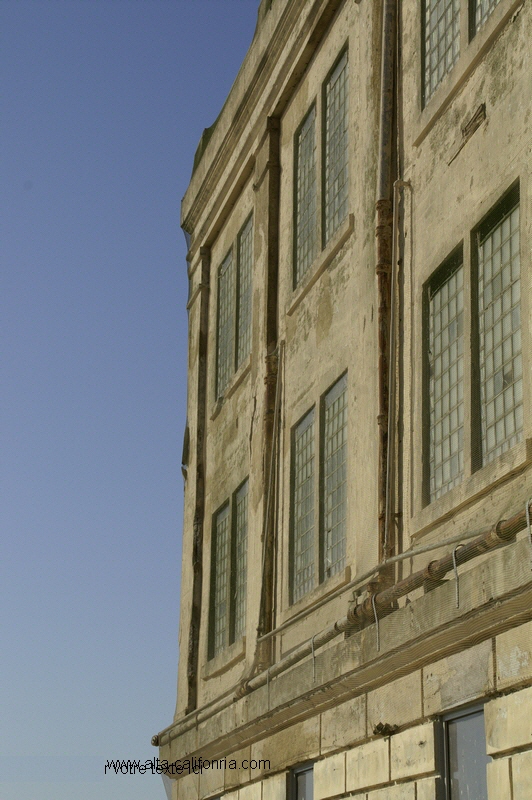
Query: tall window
{"points": [[441, 41], [229, 572], [241, 559], [330, 194], [464, 757], [303, 506], [305, 200], [499, 323], [318, 551], [226, 322], [495, 421], [441, 35], [234, 307], [243, 291], [336, 164], [446, 377], [334, 477]]}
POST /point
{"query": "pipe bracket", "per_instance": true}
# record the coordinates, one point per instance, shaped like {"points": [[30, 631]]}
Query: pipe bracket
{"points": [[376, 622], [455, 568]]}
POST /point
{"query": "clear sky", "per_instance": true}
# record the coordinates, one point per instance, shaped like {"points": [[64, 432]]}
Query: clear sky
{"points": [[103, 104]]}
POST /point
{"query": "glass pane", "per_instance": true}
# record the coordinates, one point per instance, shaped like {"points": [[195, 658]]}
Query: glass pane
{"points": [[220, 570], [442, 41], [467, 757], [305, 196], [245, 275], [446, 345], [335, 477], [305, 785], [303, 507], [241, 553], [226, 324], [500, 338], [483, 9], [336, 155]]}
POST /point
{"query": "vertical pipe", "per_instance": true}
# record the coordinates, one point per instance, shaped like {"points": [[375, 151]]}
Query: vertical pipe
{"points": [[383, 234], [271, 380]]}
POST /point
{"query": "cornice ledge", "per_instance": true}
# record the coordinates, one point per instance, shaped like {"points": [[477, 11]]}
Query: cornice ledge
{"points": [[233, 138]]}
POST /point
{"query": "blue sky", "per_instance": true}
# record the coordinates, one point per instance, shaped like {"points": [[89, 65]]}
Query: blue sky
{"points": [[103, 105]]}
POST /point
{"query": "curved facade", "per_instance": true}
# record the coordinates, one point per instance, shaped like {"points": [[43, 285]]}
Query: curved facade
{"points": [[356, 585]]}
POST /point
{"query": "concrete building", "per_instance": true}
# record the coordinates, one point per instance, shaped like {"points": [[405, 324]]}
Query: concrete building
{"points": [[356, 615]]}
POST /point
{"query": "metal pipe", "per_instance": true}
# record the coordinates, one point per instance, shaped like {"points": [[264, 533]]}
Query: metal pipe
{"points": [[360, 580], [398, 184], [504, 531], [384, 184], [272, 393], [383, 235]]}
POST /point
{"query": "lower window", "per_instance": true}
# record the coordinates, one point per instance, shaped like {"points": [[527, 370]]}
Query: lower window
{"points": [[229, 572], [464, 755], [319, 492], [301, 783]]}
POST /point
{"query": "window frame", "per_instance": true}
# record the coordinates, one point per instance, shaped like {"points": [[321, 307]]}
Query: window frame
{"points": [[325, 235], [443, 747], [232, 634], [236, 358], [473, 452], [426, 97], [509, 201], [437, 280], [291, 780], [300, 271], [468, 30], [317, 413], [321, 236], [473, 28]]}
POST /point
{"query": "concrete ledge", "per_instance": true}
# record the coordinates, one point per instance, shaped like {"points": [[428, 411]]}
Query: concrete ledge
{"points": [[497, 597]]}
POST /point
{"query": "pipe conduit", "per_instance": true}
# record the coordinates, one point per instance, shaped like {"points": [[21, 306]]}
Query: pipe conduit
{"points": [[358, 617]]}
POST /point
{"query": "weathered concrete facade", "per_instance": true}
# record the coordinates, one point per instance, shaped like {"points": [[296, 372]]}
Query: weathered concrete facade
{"points": [[307, 636]]}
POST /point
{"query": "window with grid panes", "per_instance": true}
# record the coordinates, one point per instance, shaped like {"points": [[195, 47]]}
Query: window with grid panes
{"points": [[243, 291], [441, 42], [226, 323], [499, 330], [318, 551], [446, 374], [336, 186], [479, 11], [235, 278], [303, 507], [334, 477], [221, 556], [441, 36], [495, 421], [321, 174], [229, 572], [241, 559], [305, 196]]}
